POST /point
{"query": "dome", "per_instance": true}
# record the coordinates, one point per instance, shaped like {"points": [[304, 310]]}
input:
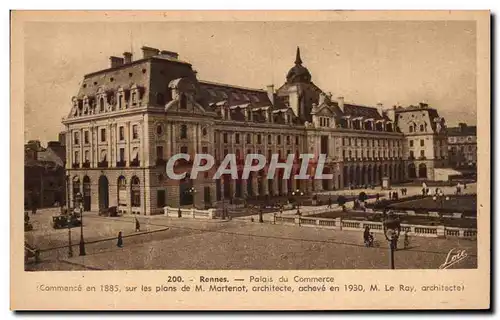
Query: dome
{"points": [[298, 73]]}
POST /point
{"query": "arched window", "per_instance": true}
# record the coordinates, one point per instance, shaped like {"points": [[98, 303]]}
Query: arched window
{"points": [[183, 131], [411, 128], [135, 194], [122, 183], [183, 101], [101, 105], [422, 129]]}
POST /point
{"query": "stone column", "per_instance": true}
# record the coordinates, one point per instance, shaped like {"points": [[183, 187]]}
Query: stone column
{"points": [[109, 137], [255, 185]]}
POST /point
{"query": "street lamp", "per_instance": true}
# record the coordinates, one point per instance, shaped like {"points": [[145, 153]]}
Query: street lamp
{"points": [[70, 246], [78, 204], [297, 193], [392, 229], [191, 191]]}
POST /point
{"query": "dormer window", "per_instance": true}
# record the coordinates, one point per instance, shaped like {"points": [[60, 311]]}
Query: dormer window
{"points": [[183, 101], [101, 105]]}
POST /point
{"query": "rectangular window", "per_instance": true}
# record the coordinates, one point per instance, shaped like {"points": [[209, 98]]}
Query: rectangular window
{"points": [[224, 136], [121, 133], [269, 139], [76, 138], [103, 135], [259, 139], [411, 143], [324, 145], [422, 143], [77, 157], [135, 132], [122, 154], [411, 154], [86, 137], [160, 198], [287, 139], [237, 137], [204, 150], [159, 152], [184, 149], [269, 154], [249, 138], [422, 153], [86, 156], [297, 140], [279, 139]]}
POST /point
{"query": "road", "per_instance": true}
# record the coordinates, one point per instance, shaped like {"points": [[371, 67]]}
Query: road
{"points": [[172, 243]]}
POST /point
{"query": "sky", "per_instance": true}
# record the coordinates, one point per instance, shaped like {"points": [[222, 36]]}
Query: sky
{"points": [[391, 62]]}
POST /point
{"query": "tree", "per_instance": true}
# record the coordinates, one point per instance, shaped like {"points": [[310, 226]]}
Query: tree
{"points": [[362, 196]]}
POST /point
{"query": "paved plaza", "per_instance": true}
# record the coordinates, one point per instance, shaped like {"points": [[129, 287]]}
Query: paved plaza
{"points": [[172, 243]]}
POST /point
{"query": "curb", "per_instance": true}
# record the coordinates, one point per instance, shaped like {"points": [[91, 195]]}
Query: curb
{"points": [[105, 239]]}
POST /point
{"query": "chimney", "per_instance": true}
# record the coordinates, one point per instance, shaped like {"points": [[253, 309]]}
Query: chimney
{"points": [[170, 54], [115, 61], [148, 52], [127, 57], [340, 102], [380, 108], [270, 93], [322, 98]]}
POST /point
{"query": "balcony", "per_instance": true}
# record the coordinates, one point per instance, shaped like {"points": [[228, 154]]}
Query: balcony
{"points": [[76, 165], [120, 164], [135, 163], [86, 164], [102, 164]]}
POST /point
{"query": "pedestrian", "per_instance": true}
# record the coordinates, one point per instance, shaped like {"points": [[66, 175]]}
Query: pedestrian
{"points": [[119, 243], [329, 202], [137, 225]]}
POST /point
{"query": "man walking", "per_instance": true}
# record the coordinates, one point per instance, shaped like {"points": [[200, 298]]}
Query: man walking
{"points": [[137, 225], [329, 202]]}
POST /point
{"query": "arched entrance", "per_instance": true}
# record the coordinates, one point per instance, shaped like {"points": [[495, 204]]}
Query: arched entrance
{"points": [[412, 172], [135, 192], [346, 177], [76, 189], [326, 182], [207, 197], [122, 191], [185, 194], [250, 192], [103, 192], [422, 170], [86, 193]]}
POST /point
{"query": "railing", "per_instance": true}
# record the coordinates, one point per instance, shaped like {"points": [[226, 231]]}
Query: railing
{"points": [[377, 227], [189, 213]]}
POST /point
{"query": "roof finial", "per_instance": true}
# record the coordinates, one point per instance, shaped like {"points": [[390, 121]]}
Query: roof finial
{"points": [[297, 57]]}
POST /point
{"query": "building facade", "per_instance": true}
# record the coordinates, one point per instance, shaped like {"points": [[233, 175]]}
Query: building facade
{"points": [[462, 146], [44, 174], [128, 119]]}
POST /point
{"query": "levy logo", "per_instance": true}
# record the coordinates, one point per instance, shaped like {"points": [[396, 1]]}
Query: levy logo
{"points": [[454, 256]]}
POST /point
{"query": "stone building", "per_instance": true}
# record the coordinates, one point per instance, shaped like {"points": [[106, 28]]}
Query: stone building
{"points": [[44, 174], [128, 119], [462, 146]]}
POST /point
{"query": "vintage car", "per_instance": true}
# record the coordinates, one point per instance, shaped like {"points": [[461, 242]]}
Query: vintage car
{"points": [[63, 221], [109, 212]]}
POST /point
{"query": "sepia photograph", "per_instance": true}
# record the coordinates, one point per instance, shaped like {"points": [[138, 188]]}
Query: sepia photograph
{"points": [[253, 145]]}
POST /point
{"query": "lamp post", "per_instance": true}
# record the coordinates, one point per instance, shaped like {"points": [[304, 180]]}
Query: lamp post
{"points": [[192, 192], [70, 246], [297, 193], [392, 229], [78, 204]]}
